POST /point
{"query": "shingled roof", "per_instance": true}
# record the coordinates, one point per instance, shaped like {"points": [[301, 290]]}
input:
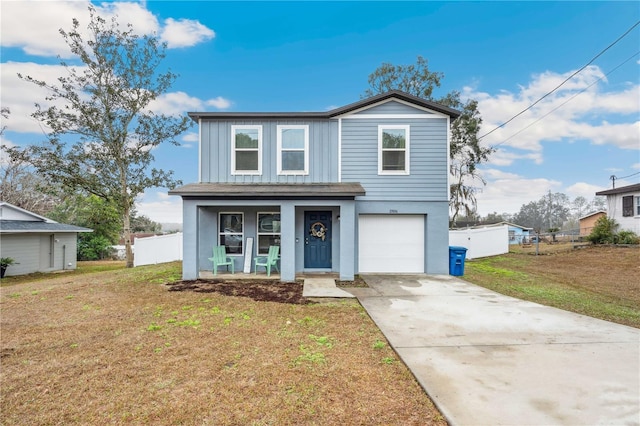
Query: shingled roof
{"points": [[22, 226], [334, 113]]}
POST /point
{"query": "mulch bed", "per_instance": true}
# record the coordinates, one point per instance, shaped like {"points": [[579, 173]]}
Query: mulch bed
{"points": [[261, 291]]}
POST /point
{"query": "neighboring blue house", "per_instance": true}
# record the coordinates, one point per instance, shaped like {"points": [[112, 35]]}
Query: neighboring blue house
{"points": [[361, 188], [517, 233]]}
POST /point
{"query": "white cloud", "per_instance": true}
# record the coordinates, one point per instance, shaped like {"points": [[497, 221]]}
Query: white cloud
{"points": [[507, 192], [219, 103], [180, 102], [160, 207], [583, 189], [636, 166], [585, 117], [20, 96], [506, 157], [44, 19], [185, 33], [191, 137]]}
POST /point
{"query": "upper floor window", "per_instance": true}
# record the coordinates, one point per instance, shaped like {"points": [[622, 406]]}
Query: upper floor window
{"points": [[246, 150], [293, 149], [393, 149]]}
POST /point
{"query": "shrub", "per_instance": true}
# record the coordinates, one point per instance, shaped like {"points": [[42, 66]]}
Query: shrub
{"points": [[627, 237], [93, 247], [604, 231]]}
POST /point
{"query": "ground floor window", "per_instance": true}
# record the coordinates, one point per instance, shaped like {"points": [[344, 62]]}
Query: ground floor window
{"points": [[231, 232], [268, 231]]}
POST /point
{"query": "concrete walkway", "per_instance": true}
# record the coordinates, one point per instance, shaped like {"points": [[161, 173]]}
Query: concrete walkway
{"points": [[489, 359], [323, 288]]}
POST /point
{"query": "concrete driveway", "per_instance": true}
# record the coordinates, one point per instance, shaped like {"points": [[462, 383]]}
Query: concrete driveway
{"points": [[489, 359]]}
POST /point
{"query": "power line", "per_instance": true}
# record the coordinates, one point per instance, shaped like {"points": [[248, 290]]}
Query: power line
{"points": [[624, 177], [561, 84], [567, 101]]}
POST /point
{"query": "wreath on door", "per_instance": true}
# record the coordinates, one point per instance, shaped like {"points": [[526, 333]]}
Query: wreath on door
{"points": [[318, 230]]}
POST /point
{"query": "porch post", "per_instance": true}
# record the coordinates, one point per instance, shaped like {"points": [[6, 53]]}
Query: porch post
{"points": [[347, 240], [287, 241], [189, 240]]}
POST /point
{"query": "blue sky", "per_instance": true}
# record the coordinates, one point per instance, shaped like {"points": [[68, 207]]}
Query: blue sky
{"points": [[313, 56]]}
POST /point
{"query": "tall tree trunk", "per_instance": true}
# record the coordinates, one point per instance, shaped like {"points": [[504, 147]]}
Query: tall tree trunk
{"points": [[126, 220]]}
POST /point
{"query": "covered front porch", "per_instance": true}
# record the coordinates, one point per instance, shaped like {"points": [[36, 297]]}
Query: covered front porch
{"points": [[313, 224]]}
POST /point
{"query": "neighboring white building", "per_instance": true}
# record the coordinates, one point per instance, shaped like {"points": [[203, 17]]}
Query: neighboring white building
{"points": [[36, 243], [623, 205]]}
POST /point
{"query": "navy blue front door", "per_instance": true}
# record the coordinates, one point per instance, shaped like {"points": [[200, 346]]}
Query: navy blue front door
{"points": [[317, 241]]}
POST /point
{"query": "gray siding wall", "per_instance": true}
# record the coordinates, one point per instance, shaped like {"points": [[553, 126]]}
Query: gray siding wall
{"points": [[428, 160], [31, 251], [216, 152]]}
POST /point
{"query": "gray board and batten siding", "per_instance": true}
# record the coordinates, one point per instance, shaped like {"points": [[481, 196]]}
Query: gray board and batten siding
{"points": [[215, 153], [428, 166]]}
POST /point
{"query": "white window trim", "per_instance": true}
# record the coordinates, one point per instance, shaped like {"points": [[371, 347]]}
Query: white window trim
{"points": [[258, 233], [304, 127], [407, 157], [223, 233], [233, 149], [636, 205]]}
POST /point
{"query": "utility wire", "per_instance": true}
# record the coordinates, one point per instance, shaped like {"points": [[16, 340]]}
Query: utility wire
{"points": [[561, 84], [567, 101], [624, 177]]}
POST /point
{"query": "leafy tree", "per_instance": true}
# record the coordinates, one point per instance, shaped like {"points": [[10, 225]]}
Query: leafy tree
{"points": [[466, 152], [4, 113], [102, 108], [91, 211], [141, 223]]}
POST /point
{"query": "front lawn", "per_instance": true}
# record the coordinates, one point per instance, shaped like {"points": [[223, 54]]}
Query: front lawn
{"points": [[116, 347]]}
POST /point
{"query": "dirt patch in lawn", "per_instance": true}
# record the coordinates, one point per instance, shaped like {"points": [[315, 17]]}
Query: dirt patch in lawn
{"points": [[260, 291]]}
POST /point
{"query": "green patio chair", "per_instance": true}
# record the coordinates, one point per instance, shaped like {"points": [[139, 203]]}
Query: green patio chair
{"points": [[220, 258], [269, 261]]}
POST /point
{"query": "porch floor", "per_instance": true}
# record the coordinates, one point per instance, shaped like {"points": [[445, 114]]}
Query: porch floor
{"points": [[208, 275]]}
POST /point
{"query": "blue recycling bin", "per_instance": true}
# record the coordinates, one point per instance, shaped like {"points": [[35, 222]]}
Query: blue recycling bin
{"points": [[456, 260]]}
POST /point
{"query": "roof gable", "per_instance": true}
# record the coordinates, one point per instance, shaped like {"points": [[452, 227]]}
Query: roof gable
{"points": [[10, 212], [361, 105]]}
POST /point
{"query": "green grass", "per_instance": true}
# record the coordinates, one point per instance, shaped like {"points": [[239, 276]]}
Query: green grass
{"points": [[514, 275], [82, 269]]}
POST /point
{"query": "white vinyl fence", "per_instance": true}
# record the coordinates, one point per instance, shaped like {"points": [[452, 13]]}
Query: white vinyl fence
{"points": [[481, 242], [158, 249]]}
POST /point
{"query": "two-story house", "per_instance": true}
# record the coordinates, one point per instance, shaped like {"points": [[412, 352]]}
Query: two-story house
{"points": [[361, 188]]}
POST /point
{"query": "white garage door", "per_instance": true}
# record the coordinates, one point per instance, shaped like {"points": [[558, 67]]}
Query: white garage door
{"points": [[391, 243]]}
